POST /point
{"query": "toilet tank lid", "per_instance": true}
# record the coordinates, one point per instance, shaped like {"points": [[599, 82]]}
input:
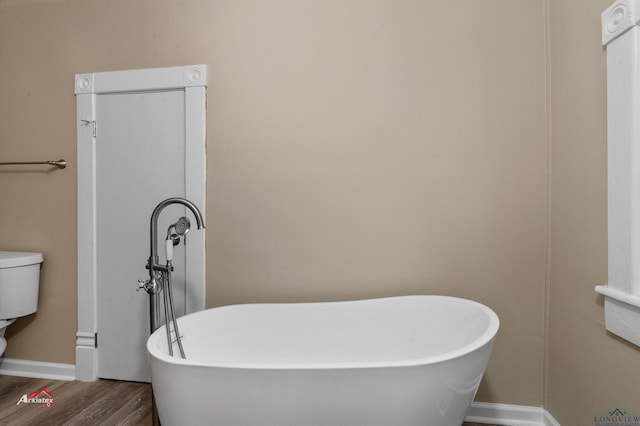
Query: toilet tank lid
{"points": [[11, 259]]}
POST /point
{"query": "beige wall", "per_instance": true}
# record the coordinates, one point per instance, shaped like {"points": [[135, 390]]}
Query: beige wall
{"points": [[589, 370], [355, 149]]}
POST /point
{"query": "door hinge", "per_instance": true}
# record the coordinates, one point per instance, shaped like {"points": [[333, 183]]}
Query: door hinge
{"points": [[92, 123], [96, 339]]}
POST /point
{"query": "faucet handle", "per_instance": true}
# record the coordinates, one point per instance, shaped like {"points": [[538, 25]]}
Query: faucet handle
{"points": [[149, 285], [142, 284]]}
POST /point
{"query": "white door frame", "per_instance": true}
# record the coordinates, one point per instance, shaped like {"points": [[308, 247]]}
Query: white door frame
{"points": [[192, 79]]}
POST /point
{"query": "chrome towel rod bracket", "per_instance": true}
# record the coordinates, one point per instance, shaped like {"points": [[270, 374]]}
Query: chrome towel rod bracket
{"points": [[61, 164]]}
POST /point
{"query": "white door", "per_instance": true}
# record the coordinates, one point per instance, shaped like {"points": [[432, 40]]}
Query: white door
{"points": [[139, 162], [142, 153]]}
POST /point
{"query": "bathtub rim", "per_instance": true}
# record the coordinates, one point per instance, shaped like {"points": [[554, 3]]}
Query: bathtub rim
{"points": [[484, 339]]}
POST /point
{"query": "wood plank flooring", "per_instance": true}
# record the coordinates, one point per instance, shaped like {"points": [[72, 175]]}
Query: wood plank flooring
{"points": [[107, 402], [103, 402]]}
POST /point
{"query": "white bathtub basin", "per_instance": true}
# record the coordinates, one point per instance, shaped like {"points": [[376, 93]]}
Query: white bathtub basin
{"points": [[411, 360]]}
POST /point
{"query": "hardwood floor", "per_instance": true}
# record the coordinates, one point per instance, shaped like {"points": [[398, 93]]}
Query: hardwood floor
{"points": [[106, 402], [103, 402]]}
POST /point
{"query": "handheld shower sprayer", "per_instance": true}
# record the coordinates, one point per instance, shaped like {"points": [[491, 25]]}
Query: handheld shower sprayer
{"points": [[180, 229], [182, 226]]}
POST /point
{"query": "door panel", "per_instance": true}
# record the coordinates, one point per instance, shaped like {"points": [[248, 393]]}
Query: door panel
{"points": [[140, 160]]}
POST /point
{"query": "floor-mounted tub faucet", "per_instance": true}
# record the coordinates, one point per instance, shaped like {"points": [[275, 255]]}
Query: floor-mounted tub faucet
{"points": [[152, 285]]}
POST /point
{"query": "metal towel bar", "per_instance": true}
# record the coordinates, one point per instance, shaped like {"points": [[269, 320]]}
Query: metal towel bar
{"points": [[59, 163]]}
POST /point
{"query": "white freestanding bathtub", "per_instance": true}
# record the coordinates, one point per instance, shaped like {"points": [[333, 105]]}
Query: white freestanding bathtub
{"points": [[411, 360]]}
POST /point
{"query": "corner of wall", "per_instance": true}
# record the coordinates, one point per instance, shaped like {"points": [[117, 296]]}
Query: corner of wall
{"points": [[548, 144]]}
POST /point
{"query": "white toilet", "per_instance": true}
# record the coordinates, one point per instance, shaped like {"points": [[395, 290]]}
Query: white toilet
{"points": [[19, 283]]}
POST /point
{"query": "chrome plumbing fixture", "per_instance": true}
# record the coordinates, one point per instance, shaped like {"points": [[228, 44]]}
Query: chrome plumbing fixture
{"points": [[160, 275]]}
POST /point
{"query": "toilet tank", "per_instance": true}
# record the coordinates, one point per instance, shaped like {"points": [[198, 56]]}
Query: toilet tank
{"points": [[19, 283]]}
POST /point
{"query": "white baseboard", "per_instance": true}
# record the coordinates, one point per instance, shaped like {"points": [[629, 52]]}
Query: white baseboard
{"points": [[509, 415], [37, 369]]}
